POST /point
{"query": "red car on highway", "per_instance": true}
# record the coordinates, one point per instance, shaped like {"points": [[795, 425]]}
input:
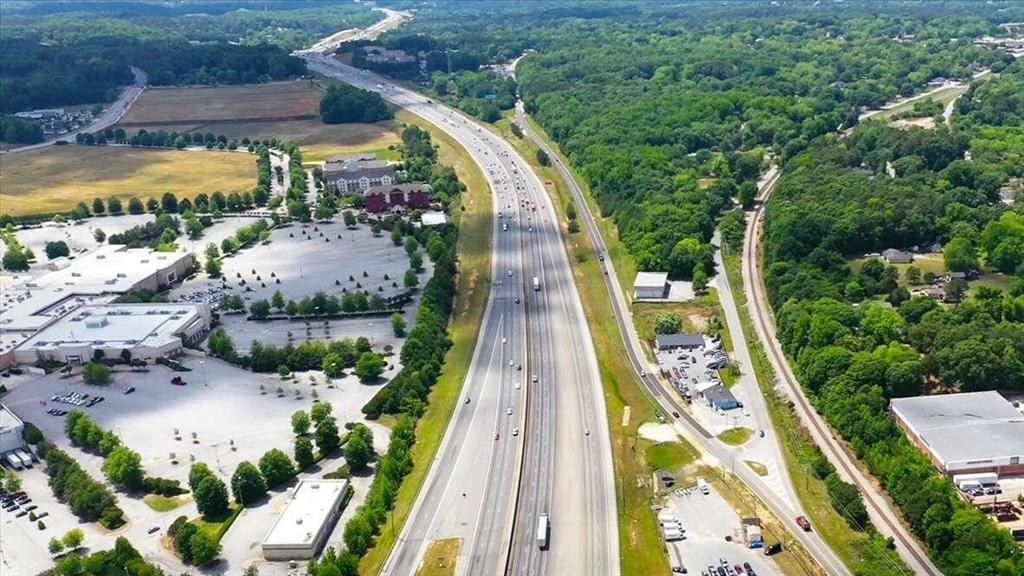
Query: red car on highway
{"points": [[803, 523]]}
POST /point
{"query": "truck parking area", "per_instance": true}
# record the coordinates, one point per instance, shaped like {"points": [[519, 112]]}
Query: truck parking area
{"points": [[706, 520]]}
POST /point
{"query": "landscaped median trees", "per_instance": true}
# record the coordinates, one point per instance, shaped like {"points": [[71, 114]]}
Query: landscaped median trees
{"points": [[209, 491], [248, 484], [121, 465], [276, 467], [88, 499]]}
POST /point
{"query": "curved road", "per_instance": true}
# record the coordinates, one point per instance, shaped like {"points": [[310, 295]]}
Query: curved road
{"points": [[473, 490], [883, 515], [110, 116]]}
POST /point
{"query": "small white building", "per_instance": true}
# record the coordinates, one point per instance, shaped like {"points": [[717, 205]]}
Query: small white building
{"points": [[650, 286], [307, 521], [10, 431]]}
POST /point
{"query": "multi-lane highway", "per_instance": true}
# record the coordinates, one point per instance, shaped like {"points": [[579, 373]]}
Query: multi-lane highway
{"points": [[517, 447], [779, 505]]}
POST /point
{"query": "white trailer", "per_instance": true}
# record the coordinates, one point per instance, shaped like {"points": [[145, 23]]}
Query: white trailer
{"points": [[26, 461], [543, 529], [673, 535], [983, 479], [13, 461]]}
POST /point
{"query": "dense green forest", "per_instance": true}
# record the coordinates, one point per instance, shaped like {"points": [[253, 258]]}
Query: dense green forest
{"points": [[67, 59], [667, 113], [288, 23], [671, 115], [857, 336]]}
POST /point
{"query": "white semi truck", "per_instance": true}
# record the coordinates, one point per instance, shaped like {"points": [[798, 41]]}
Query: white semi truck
{"points": [[543, 528], [536, 283]]}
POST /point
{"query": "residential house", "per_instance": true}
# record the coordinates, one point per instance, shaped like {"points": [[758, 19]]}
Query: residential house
{"points": [[894, 256]]}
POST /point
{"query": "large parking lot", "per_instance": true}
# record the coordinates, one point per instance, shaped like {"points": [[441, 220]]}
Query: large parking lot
{"points": [[707, 520], [148, 418], [693, 367], [317, 257]]}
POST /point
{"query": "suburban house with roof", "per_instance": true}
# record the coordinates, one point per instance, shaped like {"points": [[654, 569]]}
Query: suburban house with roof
{"points": [[357, 173], [894, 256], [397, 197]]}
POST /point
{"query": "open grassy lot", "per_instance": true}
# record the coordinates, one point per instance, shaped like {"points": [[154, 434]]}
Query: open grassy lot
{"points": [[440, 557], [54, 179], [736, 436], [671, 456], [163, 503], [474, 255], [185, 104]]}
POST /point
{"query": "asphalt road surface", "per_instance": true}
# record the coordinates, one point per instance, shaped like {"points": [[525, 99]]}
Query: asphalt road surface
{"points": [[883, 517], [778, 504], [476, 489], [110, 115]]}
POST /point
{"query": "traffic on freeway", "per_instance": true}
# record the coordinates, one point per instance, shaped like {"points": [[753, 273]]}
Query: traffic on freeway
{"points": [[495, 468], [780, 506]]}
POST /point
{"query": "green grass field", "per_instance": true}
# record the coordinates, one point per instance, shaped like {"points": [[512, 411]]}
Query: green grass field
{"points": [[56, 178], [163, 503], [474, 255], [736, 436], [671, 456], [440, 557]]}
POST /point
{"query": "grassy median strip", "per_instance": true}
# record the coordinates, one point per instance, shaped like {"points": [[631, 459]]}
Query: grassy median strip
{"points": [[641, 548], [862, 552], [440, 557], [474, 212]]}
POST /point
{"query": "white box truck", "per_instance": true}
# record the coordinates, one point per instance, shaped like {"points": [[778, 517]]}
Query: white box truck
{"points": [[543, 528], [26, 460], [703, 486], [13, 461], [967, 481], [536, 283]]}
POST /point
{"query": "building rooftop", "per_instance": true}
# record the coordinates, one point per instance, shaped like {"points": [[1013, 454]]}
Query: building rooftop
{"points": [[719, 393], [310, 506], [8, 419], [677, 340], [355, 163], [650, 280], [114, 325], [964, 427], [433, 218], [28, 303], [384, 189]]}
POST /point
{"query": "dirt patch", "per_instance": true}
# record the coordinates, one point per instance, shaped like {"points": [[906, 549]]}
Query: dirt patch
{"points": [[201, 104], [927, 123], [699, 321]]}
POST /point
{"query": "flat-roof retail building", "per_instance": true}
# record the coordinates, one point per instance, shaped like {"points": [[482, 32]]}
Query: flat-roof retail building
{"points": [[147, 331], [10, 431], [28, 304], [650, 286], [965, 433], [307, 521]]}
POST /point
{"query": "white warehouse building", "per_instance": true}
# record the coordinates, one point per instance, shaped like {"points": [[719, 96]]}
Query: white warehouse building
{"points": [[307, 521]]}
